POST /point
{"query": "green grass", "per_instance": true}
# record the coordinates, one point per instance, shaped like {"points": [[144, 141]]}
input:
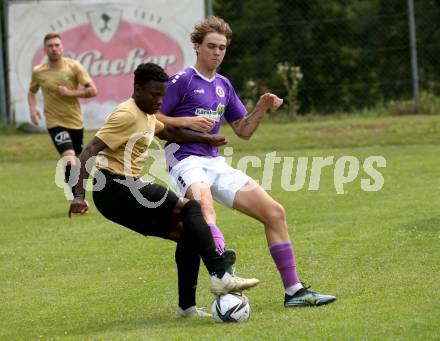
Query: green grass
{"points": [[379, 252]]}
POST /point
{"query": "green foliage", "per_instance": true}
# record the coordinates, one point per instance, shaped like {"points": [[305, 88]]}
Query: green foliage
{"points": [[250, 94], [290, 78], [353, 54], [254, 42]]}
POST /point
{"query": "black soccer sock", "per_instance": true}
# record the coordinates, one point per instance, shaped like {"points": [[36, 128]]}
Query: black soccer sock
{"points": [[188, 264], [198, 231], [67, 172]]}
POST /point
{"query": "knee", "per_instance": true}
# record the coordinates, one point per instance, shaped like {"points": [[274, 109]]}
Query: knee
{"points": [[207, 210], [275, 215], [189, 208], [179, 205], [185, 209], [69, 155]]}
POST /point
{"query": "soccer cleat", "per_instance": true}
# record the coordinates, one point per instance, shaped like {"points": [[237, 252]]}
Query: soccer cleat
{"points": [[191, 312], [229, 283], [307, 298], [229, 257]]}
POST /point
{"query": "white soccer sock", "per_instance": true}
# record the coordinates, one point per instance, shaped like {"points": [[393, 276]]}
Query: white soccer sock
{"points": [[292, 290], [192, 308]]}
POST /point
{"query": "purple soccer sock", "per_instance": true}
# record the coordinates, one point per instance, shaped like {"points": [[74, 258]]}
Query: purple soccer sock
{"points": [[284, 258], [219, 240]]}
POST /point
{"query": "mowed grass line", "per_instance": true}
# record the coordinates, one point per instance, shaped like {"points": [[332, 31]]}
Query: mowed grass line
{"points": [[87, 278]]}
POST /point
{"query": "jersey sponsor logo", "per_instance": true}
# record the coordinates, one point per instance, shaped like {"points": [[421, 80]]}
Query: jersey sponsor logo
{"points": [[213, 114], [219, 91], [220, 109], [62, 137], [199, 91]]}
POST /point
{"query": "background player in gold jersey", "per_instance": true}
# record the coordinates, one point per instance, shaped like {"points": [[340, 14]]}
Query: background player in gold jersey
{"points": [[63, 81]]}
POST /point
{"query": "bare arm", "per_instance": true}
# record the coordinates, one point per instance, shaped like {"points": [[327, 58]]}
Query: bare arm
{"points": [[78, 204], [89, 90], [179, 135], [198, 123], [245, 127], [32, 101]]}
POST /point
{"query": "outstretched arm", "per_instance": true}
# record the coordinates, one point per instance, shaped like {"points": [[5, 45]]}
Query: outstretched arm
{"points": [[78, 204], [198, 123], [245, 127], [180, 135]]}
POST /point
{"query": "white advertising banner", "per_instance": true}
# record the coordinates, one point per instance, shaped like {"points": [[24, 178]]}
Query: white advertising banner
{"points": [[110, 38]]}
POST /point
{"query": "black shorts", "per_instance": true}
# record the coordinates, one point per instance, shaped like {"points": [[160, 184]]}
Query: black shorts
{"points": [[117, 203], [65, 139]]}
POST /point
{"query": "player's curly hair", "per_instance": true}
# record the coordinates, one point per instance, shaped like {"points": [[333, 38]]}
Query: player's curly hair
{"points": [[149, 72], [211, 24]]}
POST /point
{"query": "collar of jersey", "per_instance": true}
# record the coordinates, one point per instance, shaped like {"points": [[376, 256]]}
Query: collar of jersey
{"points": [[203, 77]]}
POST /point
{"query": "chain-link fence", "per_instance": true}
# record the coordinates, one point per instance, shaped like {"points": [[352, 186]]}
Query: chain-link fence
{"points": [[352, 54]]}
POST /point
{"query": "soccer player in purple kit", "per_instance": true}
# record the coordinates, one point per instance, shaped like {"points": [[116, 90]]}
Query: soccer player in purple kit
{"points": [[200, 173]]}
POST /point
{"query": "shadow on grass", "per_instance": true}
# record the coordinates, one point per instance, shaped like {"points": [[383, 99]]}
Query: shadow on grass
{"points": [[425, 225]]}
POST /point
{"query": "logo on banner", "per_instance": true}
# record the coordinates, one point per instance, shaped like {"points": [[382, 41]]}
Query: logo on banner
{"points": [[105, 24], [109, 38]]}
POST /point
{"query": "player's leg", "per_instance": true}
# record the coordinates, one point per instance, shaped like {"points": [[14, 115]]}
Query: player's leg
{"points": [[194, 240], [116, 202], [198, 234], [201, 192], [192, 180], [77, 137], [63, 142], [70, 157], [254, 201], [188, 264]]}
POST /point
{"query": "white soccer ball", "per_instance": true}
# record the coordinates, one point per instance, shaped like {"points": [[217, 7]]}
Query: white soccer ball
{"points": [[232, 307]]}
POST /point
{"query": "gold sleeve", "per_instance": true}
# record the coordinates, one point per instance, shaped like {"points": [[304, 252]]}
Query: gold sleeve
{"points": [[117, 129], [82, 74], [159, 126], [34, 82]]}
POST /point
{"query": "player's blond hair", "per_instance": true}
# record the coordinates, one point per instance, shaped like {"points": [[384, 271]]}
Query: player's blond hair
{"points": [[211, 24]]}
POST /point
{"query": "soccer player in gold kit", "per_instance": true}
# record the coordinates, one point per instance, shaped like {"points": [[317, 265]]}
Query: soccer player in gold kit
{"points": [[63, 81], [147, 208]]}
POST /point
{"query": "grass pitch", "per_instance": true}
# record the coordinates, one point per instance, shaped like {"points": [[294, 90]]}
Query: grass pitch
{"points": [[378, 252]]}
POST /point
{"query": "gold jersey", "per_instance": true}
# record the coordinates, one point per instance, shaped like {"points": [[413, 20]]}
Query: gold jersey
{"points": [[128, 133], [63, 111]]}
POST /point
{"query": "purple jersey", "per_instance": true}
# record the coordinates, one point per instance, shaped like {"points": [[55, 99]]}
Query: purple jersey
{"points": [[191, 94]]}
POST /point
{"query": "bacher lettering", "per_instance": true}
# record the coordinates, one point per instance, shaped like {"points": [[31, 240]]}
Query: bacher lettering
{"points": [[95, 63]]}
